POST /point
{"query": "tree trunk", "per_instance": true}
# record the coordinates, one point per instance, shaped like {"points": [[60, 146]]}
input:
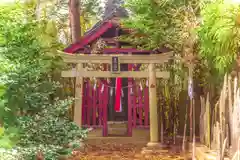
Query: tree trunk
{"points": [[74, 17], [75, 32]]}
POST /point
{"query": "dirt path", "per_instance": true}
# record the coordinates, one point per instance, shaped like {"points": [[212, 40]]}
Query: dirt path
{"points": [[123, 149]]}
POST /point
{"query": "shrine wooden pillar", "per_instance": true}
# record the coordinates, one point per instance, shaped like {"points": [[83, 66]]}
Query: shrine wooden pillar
{"points": [[78, 97], [153, 110]]}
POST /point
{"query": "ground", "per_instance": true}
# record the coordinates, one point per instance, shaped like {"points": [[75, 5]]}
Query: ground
{"points": [[124, 148]]}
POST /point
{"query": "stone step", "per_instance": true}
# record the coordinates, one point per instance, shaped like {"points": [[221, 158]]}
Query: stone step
{"points": [[117, 124], [117, 127], [117, 132]]}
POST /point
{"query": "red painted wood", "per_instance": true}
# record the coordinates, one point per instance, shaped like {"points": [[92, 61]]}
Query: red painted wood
{"points": [[140, 107], [118, 94], [99, 104], [72, 48], [89, 38], [130, 83], [125, 50], [118, 50], [134, 106], [105, 102], [94, 106], [84, 105], [88, 107], [146, 106]]}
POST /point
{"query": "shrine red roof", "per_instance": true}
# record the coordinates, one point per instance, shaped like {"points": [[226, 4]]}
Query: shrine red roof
{"points": [[97, 31], [88, 38]]}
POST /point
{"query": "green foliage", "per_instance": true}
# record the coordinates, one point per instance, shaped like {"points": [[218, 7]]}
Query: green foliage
{"points": [[49, 131], [6, 66], [9, 154], [28, 83], [19, 153], [8, 137], [29, 60], [219, 34], [50, 152], [50, 126], [158, 23]]}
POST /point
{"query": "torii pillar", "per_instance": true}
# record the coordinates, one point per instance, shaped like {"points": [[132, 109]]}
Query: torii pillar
{"points": [[154, 116]]}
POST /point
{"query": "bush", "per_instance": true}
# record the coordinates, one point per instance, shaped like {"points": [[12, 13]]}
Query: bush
{"points": [[49, 131], [9, 154], [50, 152], [50, 126], [8, 139], [27, 89]]}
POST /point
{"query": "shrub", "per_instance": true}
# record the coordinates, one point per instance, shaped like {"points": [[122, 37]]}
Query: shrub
{"points": [[26, 100], [49, 131], [9, 154]]}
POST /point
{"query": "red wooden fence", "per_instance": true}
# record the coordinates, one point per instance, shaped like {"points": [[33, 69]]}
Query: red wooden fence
{"points": [[138, 104], [94, 108], [95, 103]]}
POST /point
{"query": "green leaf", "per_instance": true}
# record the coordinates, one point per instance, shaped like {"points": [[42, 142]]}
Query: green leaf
{"points": [[2, 130]]}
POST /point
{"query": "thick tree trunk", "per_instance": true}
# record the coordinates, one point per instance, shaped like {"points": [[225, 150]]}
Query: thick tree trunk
{"points": [[75, 32], [74, 16]]}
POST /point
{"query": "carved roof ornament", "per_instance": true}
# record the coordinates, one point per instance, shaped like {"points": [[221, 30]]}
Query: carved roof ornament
{"points": [[99, 46]]}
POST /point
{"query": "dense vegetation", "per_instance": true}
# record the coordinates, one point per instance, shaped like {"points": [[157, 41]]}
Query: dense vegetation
{"points": [[209, 29], [32, 118], [219, 35]]}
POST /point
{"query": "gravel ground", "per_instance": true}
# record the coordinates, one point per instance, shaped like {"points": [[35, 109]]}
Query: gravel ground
{"points": [[123, 149]]}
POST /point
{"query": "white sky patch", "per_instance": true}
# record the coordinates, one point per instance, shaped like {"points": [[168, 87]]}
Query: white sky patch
{"points": [[10, 1], [102, 3], [235, 1], [6, 1]]}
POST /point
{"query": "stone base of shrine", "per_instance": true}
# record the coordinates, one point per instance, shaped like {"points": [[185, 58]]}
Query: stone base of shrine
{"points": [[156, 145], [153, 147], [121, 132]]}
